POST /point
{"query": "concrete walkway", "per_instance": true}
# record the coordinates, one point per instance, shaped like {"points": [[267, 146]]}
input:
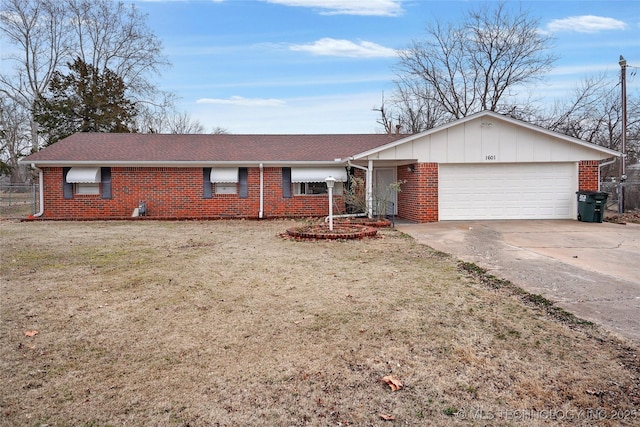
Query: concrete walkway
{"points": [[589, 269]]}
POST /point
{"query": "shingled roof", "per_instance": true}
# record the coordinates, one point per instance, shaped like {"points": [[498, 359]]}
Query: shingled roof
{"points": [[136, 148]]}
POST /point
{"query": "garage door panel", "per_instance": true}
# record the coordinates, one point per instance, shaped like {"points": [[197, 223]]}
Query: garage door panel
{"points": [[507, 191]]}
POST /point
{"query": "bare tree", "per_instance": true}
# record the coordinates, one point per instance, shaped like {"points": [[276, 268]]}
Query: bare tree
{"points": [[183, 123], [581, 114], [478, 64], [409, 111], [416, 107], [14, 138], [386, 119], [166, 119], [37, 29], [593, 113], [220, 131], [42, 36], [111, 35], [633, 128]]}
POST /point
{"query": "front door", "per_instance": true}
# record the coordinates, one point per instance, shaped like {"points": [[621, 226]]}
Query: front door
{"points": [[385, 198]]}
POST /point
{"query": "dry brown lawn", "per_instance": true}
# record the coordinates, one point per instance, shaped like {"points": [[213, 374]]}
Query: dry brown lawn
{"points": [[228, 323]]}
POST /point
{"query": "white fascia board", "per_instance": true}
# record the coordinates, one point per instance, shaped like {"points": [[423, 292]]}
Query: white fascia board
{"points": [[183, 164]]}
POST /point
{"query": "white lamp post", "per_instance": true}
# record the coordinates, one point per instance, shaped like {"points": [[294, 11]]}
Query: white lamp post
{"points": [[330, 182]]}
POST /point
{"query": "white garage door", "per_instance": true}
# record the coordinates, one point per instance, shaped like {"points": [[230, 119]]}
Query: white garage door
{"points": [[507, 191]]}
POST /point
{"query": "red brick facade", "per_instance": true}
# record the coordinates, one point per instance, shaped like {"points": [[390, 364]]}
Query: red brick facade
{"points": [[588, 175], [418, 198], [177, 193]]}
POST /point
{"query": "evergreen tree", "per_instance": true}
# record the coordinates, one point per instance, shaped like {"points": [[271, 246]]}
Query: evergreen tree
{"points": [[85, 100]]}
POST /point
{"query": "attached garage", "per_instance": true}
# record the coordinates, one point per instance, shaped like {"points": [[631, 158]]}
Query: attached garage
{"points": [[489, 166], [507, 191]]}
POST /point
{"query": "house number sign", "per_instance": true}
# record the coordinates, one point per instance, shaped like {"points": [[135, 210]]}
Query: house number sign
{"points": [[491, 157]]}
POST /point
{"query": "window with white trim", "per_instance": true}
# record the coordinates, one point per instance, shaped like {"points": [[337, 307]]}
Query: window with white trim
{"points": [[225, 180], [85, 180]]}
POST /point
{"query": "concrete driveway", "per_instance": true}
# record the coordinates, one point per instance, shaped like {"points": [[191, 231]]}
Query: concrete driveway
{"points": [[589, 269]]}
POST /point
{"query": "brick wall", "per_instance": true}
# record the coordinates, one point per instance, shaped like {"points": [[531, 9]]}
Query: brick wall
{"points": [[275, 206], [588, 175], [177, 193], [418, 200]]}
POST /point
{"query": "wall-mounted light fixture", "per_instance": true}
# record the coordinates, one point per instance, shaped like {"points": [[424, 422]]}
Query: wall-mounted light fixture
{"points": [[411, 168]]}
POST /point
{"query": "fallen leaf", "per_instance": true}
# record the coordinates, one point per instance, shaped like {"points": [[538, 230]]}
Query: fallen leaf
{"points": [[30, 333], [387, 417], [393, 382]]}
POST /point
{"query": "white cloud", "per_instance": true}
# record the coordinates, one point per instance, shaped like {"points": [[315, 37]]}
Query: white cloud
{"points": [[342, 7], [243, 102], [586, 24], [585, 69], [334, 47]]}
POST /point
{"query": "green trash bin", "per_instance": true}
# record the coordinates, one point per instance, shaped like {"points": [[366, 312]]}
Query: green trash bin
{"points": [[591, 205]]}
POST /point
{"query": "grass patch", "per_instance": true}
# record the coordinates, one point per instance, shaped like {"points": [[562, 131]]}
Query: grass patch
{"points": [[536, 300], [227, 323]]}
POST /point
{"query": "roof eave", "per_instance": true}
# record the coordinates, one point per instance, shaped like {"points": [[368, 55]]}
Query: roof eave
{"points": [[188, 163]]}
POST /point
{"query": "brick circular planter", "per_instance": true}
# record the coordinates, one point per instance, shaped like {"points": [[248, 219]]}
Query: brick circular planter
{"points": [[340, 231], [370, 222]]}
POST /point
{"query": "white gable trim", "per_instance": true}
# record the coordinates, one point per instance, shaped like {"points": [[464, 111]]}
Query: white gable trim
{"points": [[490, 115]]}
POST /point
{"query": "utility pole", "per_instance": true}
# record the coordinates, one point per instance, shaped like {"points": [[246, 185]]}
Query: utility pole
{"points": [[623, 144]]}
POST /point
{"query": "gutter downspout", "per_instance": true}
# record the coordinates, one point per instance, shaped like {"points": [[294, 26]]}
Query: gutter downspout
{"points": [[261, 212], [369, 182], [610, 162], [40, 190]]}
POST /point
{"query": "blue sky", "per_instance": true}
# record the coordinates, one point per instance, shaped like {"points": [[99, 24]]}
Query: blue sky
{"points": [[321, 66]]}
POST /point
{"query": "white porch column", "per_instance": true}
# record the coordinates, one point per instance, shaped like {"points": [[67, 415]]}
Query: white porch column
{"points": [[369, 192]]}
